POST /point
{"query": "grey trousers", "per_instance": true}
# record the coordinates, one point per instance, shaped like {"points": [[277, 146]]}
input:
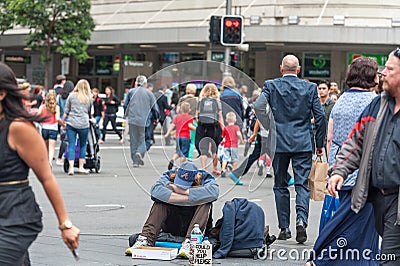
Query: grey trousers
{"points": [[137, 141]]}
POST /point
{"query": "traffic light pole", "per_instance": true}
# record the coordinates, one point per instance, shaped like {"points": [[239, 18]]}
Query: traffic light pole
{"points": [[227, 48]]}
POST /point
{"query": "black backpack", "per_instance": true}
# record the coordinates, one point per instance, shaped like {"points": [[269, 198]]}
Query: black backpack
{"points": [[208, 111]]}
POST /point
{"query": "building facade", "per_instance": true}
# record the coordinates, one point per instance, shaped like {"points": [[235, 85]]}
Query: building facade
{"points": [[144, 36]]}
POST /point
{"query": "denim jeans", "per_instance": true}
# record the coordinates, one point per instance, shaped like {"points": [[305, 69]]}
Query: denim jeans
{"points": [[98, 131], [301, 164], [148, 139], [137, 141], [83, 137]]}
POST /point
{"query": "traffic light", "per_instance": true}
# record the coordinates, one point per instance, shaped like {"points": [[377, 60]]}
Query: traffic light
{"points": [[215, 29], [231, 30], [234, 59]]}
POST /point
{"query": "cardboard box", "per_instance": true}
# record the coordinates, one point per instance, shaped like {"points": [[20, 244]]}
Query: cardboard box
{"points": [[154, 253]]}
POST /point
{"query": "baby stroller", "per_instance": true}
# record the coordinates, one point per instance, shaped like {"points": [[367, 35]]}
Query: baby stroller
{"points": [[93, 162]]}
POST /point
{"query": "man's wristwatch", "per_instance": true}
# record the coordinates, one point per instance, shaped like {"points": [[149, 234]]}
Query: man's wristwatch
{"points": [[67, 224]]}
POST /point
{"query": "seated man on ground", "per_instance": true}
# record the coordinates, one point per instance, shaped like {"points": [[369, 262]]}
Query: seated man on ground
{"points": [[182, 197]]}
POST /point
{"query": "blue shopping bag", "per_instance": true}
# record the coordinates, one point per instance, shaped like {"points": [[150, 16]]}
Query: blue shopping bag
{"points": [[331, 204]]}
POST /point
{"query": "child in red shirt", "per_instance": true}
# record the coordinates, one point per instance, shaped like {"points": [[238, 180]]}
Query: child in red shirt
{"points": [[183, 123], [231, 134]]}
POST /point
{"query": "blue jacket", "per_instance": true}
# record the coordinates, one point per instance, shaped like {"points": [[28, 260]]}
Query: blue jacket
{"points": [[242, 227], [207, 192], [292, 101], [233, 102]]}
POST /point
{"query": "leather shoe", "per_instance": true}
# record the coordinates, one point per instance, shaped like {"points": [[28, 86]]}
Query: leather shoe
{"points": [[301, 234], [284, 234]]}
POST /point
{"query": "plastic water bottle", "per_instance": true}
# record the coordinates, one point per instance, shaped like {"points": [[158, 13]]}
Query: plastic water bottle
{"points": [[207, 251], [196, 237]]}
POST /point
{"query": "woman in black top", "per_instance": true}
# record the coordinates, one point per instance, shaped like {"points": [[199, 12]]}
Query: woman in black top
{"points": [[110, 114], [23, 148], [98, 105]]}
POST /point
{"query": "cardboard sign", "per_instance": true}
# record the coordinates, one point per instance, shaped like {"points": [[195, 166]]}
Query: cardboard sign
{"points": [[200, 254]]}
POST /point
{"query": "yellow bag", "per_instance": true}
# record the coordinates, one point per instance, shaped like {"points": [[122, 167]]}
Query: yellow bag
{"points": [[317, 179]]}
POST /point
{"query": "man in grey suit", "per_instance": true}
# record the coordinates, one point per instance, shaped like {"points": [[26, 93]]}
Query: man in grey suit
{"points": [[292, 100], [140, 103]]}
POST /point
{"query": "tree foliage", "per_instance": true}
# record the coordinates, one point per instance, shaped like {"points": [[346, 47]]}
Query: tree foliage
{"points": [[6, 19], [56, 26], [63, 26]]}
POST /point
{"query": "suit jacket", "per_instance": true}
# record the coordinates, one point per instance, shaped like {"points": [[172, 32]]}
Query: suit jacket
{"points": [[292, 100]]}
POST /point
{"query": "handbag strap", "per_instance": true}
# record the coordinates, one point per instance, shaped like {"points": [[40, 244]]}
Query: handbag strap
{"points": [[339, 147]]}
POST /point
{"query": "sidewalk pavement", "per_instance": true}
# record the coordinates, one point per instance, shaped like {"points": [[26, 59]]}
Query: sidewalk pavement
{"points": [[110, 206]]}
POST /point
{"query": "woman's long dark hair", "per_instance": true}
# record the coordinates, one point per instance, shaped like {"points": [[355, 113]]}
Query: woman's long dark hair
{"points": [[12, 104], [111, 97]]}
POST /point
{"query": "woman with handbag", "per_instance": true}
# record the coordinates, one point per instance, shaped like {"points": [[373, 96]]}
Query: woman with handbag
{"points": [[355, 230]]}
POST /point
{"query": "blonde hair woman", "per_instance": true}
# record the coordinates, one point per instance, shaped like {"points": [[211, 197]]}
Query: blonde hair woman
{"points": [[209, 90], [77, 110], [210, 124], [51, 112]]}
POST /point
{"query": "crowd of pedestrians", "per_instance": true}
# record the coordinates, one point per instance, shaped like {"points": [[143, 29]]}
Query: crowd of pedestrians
{"points": [[290, 120], [310, 119]]}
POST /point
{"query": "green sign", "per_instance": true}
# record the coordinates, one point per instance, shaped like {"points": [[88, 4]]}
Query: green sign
{"points": [[104, 64], [380, 58], [317, 65], [218, 56], [127, 57], [17, 59]]}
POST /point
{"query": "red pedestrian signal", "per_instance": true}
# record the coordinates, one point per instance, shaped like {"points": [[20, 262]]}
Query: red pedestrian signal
{"points": [[231, 30], [228, 23]]}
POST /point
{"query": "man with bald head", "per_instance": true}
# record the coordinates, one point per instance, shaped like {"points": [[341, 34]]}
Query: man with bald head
{"points": [[292, 100]]}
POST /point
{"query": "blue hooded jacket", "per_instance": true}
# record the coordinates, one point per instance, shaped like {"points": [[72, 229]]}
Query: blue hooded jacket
{"points": [[242, 226]]}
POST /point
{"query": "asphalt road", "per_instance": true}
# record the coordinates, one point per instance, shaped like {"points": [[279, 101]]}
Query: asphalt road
{"points": [[111, 205]]}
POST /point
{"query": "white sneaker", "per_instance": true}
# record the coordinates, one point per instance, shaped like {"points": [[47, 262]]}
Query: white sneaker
{"points": [[268, 171], [60, 162], [185, 249], [141, 241]]}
